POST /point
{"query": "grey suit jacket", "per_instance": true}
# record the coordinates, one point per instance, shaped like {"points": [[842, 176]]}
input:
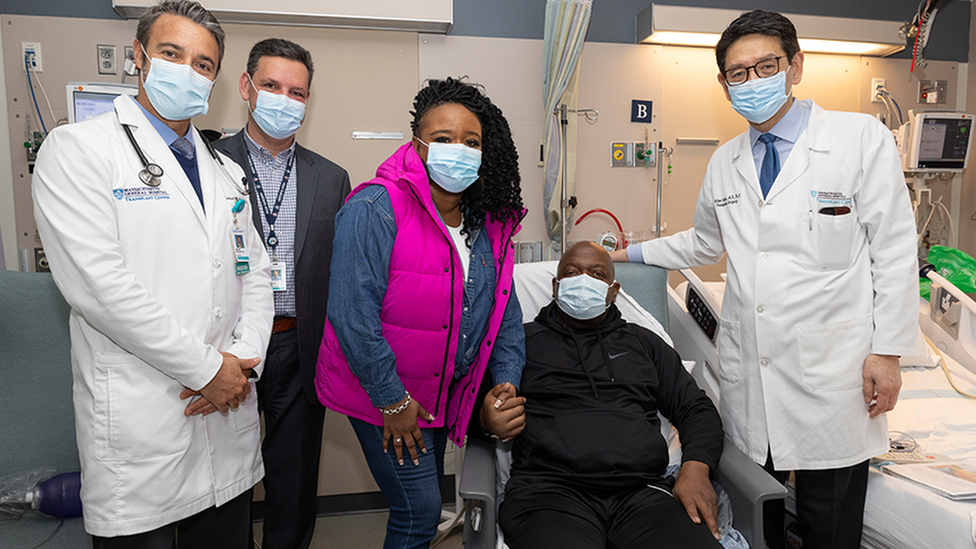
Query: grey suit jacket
{"points": [[322, 189]]}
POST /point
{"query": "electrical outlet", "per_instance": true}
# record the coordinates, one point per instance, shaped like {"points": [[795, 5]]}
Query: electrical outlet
{"points": [[877, 96], [30, 51], [106, 59]]}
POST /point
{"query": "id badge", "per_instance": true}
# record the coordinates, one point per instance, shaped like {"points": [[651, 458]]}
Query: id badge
{"points": [[240, 250], [279, 272]]}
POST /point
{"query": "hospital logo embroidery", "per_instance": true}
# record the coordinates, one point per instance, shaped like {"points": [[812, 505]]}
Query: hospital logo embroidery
{"points": [[139, 194], [832, 198]]}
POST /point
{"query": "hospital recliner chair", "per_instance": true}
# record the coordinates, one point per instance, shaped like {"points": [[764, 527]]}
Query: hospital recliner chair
{"points": [[745, 482], [37, 419]]}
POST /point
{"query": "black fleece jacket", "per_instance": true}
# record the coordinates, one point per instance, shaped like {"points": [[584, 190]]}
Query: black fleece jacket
{"points": [[592, 401]]}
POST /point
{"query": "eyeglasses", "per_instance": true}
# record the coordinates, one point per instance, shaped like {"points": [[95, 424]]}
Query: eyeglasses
{"points": [[763, 69]]}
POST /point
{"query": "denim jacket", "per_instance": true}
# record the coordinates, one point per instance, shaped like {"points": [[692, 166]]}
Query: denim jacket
{"points": [[365, 231]]}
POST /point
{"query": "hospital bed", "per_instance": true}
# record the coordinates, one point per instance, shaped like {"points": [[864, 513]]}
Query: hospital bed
{"points": [[902, 515], [644, 298], [898, 513]]}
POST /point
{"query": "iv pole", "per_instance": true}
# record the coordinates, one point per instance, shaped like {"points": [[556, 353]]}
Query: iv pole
{"points": [[568, 202]]}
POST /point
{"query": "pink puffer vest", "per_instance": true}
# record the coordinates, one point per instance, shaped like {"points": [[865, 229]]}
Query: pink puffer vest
{"points": [[421, 311]]}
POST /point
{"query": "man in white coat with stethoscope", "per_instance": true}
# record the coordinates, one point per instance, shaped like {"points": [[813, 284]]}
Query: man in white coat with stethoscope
{"points": [[821, 298], [151, 242]]}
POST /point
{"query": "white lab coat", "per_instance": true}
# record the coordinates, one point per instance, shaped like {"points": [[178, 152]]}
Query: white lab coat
{"points": [[808, 295], [154, 299]]}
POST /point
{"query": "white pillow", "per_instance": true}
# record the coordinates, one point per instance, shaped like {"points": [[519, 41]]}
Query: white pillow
{"points": [[533, 286]]}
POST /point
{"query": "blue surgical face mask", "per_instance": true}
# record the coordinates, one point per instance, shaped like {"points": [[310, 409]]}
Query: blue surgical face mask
{"points": [[758, 100], [176, 91], [453, 166], [582, 297], [278, 115]]}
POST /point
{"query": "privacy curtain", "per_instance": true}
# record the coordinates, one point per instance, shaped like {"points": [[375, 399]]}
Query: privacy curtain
{"points": [[566, 23]]}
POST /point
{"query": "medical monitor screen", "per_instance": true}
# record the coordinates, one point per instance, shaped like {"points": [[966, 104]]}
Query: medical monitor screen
{"points": [[89, 105], [86, 101], [943, 143]]}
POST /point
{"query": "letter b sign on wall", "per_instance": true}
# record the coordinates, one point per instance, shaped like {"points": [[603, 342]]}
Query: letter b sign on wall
{"points": [[640, 111]]}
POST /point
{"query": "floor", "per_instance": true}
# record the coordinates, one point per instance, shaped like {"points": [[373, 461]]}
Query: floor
{"points": [[358, 531]]}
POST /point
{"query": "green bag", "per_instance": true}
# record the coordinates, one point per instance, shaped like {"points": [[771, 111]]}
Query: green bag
{"points": [[956, 266]]}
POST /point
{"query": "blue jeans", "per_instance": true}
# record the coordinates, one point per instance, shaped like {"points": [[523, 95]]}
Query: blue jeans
{"points": [[412, 491]]}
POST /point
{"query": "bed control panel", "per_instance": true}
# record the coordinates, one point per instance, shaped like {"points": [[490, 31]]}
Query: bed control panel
{"points": [[703, 314]]}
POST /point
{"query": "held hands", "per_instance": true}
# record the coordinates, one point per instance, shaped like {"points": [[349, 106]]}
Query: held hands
{"points": [[503, 413], [226, 390], [402, 427], [694, 490], [882, 381]]}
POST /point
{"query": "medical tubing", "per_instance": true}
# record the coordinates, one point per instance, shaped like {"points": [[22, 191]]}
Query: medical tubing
{"points": [[945, 368], [54, 119], [601, 210], [31, 87], [891, 97]]}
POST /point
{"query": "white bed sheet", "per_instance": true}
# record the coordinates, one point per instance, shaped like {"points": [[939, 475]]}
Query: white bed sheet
{"points": [[901, 515]]}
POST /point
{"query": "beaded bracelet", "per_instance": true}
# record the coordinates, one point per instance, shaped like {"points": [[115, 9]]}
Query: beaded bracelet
{"points": [[398, 409]]}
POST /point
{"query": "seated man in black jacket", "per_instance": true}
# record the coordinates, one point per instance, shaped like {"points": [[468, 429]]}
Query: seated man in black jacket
{"points": [[589, 465]]}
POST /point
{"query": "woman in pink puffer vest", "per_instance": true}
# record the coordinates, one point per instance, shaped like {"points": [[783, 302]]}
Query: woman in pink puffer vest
{"points": [[422, 303]]}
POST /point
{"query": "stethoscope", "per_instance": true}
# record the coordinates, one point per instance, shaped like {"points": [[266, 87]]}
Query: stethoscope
{"points": [[151, 173]]}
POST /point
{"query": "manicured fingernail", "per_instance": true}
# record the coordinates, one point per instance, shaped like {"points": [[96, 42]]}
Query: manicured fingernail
{"points": [[498, 403], [424, 450], [416, 462], [400, 461]]}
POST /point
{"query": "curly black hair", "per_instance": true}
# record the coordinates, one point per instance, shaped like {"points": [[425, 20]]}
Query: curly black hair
{"points": [[497, 191]]}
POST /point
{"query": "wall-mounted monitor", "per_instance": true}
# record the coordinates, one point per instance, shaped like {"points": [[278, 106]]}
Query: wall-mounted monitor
{"points": [[936, 141], [87, 100]]}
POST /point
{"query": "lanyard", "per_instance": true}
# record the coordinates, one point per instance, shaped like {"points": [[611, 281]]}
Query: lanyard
{"points": [[271, 214]]}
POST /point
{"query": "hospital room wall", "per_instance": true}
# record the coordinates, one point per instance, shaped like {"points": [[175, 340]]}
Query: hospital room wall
{"points": [[687, 103]]}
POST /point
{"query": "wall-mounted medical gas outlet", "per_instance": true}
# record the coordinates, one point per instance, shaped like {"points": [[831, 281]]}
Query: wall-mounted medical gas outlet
{"points": [[877, 84], [32, 52], [932, 92], [646, 157], [106, 59], [32, 144], [622, 155], [630, 155]]}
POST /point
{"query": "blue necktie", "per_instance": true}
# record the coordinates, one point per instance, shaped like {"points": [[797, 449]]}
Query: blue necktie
{"points": [[770, 164], [185, 155]]}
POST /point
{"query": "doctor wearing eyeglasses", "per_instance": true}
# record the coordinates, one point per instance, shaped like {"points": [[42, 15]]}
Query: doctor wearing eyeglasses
{"points": [[812, 210], [171, 300]]}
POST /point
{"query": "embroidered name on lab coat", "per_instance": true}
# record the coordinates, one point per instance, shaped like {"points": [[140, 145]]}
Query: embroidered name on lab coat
{"points": [[831, 197], [727, 200], [135, 194]]}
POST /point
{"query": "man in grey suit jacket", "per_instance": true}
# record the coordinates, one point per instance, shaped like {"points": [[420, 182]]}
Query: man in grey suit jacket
{"points": [[295, 194]]}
